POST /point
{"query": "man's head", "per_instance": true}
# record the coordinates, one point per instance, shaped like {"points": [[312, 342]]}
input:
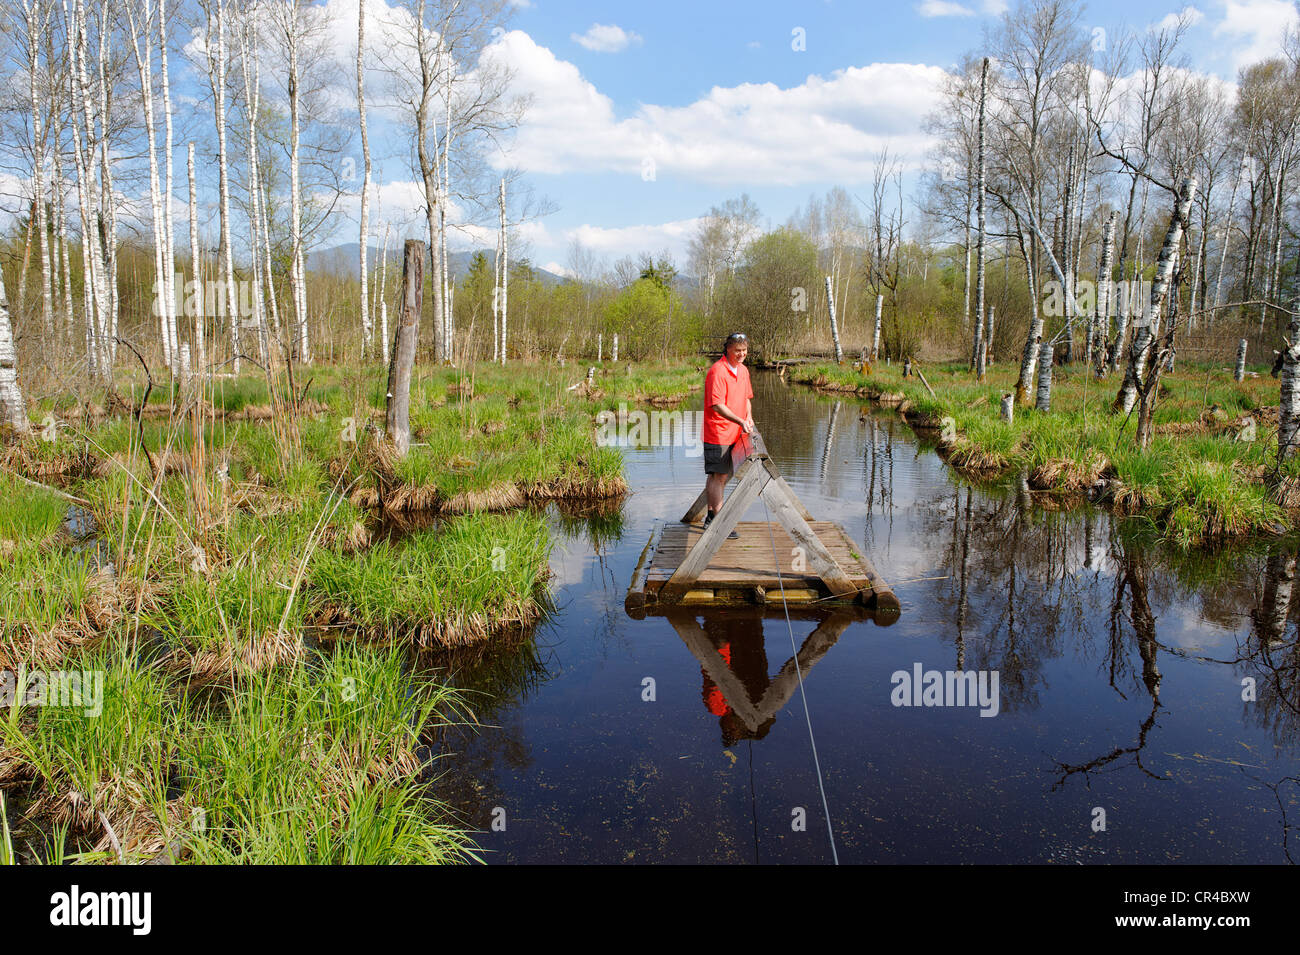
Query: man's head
{"points": [[736, 347]]}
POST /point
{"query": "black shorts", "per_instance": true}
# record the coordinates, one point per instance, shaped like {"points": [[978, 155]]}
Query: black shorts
{"points": [[717, 458]]}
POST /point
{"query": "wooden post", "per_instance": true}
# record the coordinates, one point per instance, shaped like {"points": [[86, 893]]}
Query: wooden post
{"points": [[920, 374], [398, 418]]}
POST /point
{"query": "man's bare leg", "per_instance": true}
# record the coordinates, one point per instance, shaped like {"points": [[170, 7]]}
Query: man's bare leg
{"points": [[714, 485]]}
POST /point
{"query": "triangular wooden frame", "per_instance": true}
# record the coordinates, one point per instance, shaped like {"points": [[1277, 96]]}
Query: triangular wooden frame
{"points": [[758, 478]]}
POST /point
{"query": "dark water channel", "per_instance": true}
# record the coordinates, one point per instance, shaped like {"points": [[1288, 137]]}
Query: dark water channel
{"points": [[1121, 665]]}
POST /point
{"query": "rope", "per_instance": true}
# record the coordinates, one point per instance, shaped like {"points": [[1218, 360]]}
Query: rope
{"points": [[830, 831]]}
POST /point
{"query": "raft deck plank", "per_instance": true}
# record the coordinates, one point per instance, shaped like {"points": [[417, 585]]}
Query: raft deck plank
{"points": [[741, 566]]}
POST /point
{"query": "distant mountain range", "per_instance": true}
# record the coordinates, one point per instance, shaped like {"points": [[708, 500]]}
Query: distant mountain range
{"points": [[344, 260]]}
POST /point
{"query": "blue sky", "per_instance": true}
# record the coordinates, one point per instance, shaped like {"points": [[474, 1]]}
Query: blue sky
{"points": [[715, 94]]}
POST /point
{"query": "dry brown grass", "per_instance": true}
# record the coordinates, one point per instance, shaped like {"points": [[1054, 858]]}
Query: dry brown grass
{"points": [[452, 631], [965, 455], [1069, 475], [499, 497], [197, 666], [118, 815], [80, 626]]}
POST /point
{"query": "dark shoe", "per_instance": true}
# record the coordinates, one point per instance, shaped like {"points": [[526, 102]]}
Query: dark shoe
{"points": [[733, 536]]}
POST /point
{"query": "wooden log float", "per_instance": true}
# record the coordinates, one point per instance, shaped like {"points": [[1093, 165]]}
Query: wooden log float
{"points": [[634, 602]]}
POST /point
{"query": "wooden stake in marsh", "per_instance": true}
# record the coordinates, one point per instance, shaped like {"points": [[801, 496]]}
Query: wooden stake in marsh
{"points": [[398, 420]]}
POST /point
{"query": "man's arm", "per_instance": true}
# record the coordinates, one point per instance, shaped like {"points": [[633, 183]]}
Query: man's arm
{"points": [[730, 415]]}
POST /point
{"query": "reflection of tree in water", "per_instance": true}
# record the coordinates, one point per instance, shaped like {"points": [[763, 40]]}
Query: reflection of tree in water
{"points": [[1272, 659], [1026, 585], [1132, 580], [1272, 655], [1011, 590]]}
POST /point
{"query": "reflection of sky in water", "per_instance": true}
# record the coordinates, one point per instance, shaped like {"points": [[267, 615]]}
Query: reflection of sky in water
{"points": [[588, 771]]}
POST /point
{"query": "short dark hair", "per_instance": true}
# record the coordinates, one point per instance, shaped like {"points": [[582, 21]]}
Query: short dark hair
{"points": [[733, 338]]}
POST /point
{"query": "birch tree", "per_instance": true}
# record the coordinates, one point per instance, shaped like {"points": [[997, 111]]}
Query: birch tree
{"points": [[367, 331], [13, 410], [978, 356]]}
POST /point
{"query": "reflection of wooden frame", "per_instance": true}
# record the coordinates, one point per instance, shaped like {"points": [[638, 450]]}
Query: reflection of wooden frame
{"points": [[754, 713], [674, 549]]}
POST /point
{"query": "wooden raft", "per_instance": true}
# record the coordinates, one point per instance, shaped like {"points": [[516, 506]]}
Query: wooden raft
{"points": [[685, 564]]}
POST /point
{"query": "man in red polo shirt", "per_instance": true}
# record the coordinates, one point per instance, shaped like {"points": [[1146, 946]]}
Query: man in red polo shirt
{"points": [[728, 416]]}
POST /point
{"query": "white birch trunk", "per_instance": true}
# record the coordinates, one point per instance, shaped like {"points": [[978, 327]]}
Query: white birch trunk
{"points": [[965, 297], [835, 329], [1145, 338], [1227, 232], [1029, 357], [35, 28], [1043, 402], [1101, 326], [978, 355], [1288, 415], [383, 294], [169, 260], [96, 299], [162, 283], [227, 264], [367, 325], [13, 410], [263, 284], [505, 277], [875, 339], [296, 273], [496, 302], [200, 350], [109, 204]]}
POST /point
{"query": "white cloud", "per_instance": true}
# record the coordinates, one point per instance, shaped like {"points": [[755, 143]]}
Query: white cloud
{"points": [[605, 38], [943, 8], [634, 239], [1170, 20], [825, 129], [1255, 27], [555, 268], [994, 8]]}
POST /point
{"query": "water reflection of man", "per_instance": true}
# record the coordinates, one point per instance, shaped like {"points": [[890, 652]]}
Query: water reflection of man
{"points": [[739, 642], [728, 418]]}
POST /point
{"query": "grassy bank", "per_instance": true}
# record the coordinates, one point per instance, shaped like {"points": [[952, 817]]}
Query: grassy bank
{"points": [[254, 606], [1202, 481]]}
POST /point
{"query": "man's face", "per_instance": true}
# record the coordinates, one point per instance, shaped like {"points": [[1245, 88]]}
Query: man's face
{"points": [[737, 351]]}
